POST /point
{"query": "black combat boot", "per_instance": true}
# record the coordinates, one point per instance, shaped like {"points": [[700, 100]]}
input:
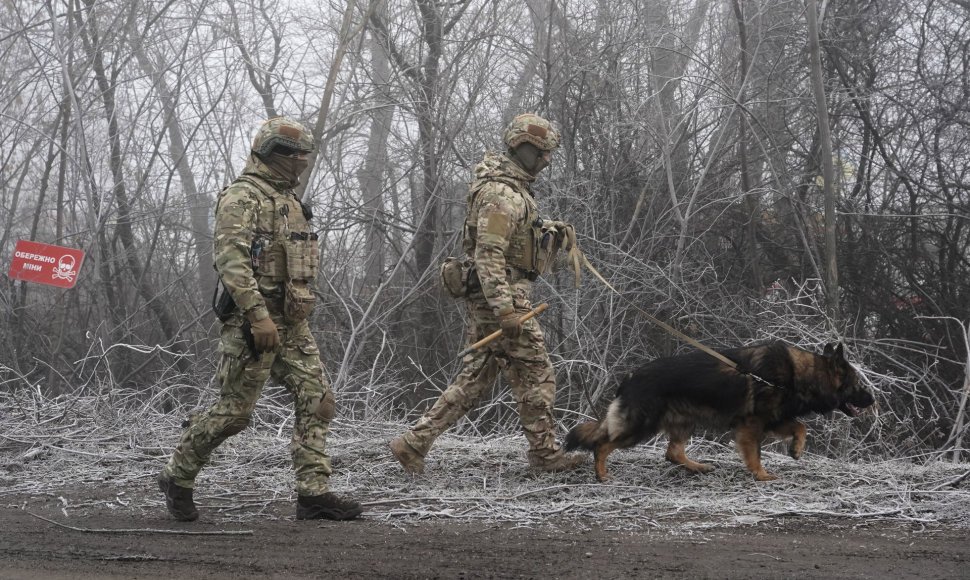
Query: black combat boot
{"points": [[328, 506], [178, 500]]}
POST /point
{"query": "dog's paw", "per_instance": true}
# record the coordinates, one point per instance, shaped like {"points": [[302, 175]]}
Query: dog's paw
{"points": [[795, 451], [699, 467], [606, 477], [763, 476]]}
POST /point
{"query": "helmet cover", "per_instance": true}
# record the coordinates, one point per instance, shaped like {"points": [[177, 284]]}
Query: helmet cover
{"points": [[282, 132], [529, 128]]}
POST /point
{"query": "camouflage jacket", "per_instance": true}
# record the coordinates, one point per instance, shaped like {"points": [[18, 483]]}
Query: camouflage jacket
{"points": [[259, 222], [498, 233]]}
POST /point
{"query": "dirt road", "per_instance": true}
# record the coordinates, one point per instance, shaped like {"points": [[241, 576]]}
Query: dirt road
{"points": [[274, 545]]}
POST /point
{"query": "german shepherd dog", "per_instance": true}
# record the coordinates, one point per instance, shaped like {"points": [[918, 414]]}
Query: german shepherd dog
{"points": [[674, 395]]}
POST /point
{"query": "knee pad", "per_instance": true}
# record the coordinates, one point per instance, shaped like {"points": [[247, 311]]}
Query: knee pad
{"points": [[326, 408]]}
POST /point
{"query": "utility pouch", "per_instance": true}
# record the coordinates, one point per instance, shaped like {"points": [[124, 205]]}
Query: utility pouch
{"points": [[269, 257], [302, 255], [458, 276], [298, 301], [222, 303], [256, 253], [545, 250]]}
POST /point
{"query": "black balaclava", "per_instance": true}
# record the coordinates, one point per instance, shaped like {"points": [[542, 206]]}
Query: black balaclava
{"points": [[529, 157]]}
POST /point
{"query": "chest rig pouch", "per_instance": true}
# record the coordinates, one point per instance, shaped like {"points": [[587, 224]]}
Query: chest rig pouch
{"points": [[285, 250], [302, 257], [526, 256]]}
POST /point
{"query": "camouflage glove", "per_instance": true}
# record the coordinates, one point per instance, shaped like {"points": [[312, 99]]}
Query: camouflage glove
{"points": [[511, 326], [265, 335], [566, 241]]}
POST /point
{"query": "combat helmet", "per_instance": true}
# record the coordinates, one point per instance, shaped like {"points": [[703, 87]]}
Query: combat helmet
{"points": [[532, 129], [282, 132]]}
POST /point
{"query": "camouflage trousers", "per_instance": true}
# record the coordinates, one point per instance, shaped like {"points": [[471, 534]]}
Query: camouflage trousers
{"points": [[296, 365], [525, 364]]}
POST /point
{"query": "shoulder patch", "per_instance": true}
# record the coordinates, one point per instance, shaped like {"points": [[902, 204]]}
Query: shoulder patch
{"points": [[498, 224]]}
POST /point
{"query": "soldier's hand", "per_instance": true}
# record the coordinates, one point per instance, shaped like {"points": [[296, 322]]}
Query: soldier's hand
{"points": [[511, 325], [265, 335], [564, 232]]}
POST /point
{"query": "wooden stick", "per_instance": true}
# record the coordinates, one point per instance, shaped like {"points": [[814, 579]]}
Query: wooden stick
{"points": [[537, 310]]}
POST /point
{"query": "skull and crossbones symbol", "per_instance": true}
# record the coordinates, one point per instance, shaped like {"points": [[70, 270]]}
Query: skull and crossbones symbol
{"points": [[65, 268]]}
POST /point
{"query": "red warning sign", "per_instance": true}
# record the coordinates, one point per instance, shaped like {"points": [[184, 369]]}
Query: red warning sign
{"points": [[46, 264]]}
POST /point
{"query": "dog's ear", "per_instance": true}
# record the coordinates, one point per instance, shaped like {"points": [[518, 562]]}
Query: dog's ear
{"points": [[833, 350], [835, 358]]}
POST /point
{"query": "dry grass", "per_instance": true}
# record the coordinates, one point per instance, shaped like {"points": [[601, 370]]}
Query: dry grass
{"points": [[114, 444]]}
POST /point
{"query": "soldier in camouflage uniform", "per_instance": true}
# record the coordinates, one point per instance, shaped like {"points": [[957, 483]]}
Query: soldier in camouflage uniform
{"points": [[503, 237], [266, 257]]}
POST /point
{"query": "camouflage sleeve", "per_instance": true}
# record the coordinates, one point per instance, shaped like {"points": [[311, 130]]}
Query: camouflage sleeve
{"points": [[498, 217], [234, 230]]}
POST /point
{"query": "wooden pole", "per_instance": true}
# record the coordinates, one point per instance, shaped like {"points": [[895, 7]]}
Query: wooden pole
{"points": [[537, 310]]}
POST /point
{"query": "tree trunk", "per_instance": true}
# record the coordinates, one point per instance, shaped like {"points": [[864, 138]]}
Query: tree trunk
{"points": [[751, 202], [426, 224], [371, 175], [668, 62], [830, 260]]}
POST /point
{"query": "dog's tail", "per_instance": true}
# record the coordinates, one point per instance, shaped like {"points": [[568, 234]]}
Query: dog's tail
{"points": [[587, 436]]}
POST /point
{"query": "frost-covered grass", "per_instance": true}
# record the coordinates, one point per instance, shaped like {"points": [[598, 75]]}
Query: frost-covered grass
{"points": [[115, 443]]}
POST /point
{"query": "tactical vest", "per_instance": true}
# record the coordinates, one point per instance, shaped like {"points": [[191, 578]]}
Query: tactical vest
{"points": [[524, 243], [283, 247]]}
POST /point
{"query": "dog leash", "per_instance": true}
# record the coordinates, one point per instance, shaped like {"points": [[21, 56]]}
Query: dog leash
{"points": [[585, 262], [576, 259], [578, 256]]}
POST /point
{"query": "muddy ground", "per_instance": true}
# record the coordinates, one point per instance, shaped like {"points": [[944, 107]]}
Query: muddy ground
{"points": [[132, 537]]}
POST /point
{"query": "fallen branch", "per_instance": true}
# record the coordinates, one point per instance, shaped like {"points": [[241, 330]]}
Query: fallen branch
{"points": [[147, 530], [829, 513], [952, 482]]}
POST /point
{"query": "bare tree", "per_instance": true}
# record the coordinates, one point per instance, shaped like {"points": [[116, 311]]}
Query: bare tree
{"points": [[373, 172], [248, 35], [199, 204], [828, 169]]}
